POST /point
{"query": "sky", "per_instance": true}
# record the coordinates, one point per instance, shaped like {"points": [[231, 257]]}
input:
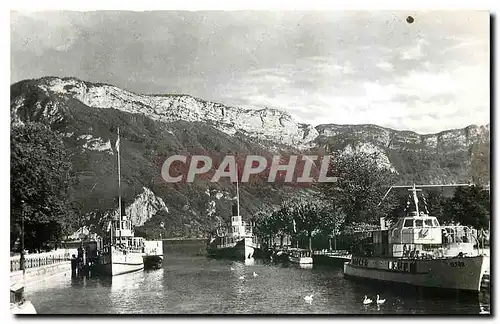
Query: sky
{"points": [[340, 67]]}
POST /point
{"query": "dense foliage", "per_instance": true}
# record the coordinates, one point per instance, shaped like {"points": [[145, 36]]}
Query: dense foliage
{"points": [[361, 184], [41, 178], [470, 206]]}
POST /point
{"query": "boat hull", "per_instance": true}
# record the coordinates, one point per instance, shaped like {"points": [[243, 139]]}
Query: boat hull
{"points": [[241, 250], [119, 262], [463, 274], [153, 261], [300, 260]]}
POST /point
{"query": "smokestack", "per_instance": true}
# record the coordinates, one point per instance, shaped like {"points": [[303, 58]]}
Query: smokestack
{"points": [[382, 223]]}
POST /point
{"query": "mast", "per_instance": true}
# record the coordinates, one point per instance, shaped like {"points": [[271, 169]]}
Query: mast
{"points": [[119, 188], [415, 198], [424, 186], [237, 192]]}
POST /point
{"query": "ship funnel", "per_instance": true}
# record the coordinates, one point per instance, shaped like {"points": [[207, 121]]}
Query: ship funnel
{"points": [[382, 223], [235, 210]]}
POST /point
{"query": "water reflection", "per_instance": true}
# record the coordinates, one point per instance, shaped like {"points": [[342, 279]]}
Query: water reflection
{"points": [[305, 266], [250, 261]]}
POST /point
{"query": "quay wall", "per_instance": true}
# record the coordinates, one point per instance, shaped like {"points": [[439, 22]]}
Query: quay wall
{"points": [[56, 253], [41, 273], [184, 246]]}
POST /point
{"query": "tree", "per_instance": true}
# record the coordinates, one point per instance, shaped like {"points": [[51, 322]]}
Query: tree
{"points": [[331, 223], [361, 184], [435, 202], [470, 206], [281, 222], [480, 161], [41, 177], [264, 228], [308, 217], [438, 205]]}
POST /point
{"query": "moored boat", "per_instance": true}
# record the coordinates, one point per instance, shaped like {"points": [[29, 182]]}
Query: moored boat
{"points": [[300, 256], [153, 254], [420, 252], [236, 241], [123, 255]]}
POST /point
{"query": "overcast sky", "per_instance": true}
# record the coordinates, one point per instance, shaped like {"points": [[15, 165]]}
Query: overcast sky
{"points": [[322, 67]]}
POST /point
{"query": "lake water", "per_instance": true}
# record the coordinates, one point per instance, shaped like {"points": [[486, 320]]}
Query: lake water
{"points": [[192, 284]]}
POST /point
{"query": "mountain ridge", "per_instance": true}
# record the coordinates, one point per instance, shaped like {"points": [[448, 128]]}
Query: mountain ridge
{"points": [[246, 110]]}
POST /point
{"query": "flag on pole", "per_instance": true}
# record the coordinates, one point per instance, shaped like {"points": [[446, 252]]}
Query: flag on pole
{"points": [[425, 204], [109, 227], [294, 226], [117, 145], [408, 203]]}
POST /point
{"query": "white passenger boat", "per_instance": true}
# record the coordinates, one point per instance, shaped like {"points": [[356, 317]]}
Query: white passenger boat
{"points": [[236, 241], [420, 252]]}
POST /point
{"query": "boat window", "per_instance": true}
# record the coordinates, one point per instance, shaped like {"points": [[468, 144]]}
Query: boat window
{"points": [[419, 223], [435, 222], [408, 222], [428, 222]]}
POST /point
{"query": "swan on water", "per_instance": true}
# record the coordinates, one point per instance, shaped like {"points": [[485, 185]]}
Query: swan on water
{"points": [[367, 301], [254, 274], [380, 301], [242, 277], [483, 311], [309, 298]]}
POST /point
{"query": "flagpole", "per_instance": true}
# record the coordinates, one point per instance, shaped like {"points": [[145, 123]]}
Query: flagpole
{"points": [[119, 187], [237, 192]]}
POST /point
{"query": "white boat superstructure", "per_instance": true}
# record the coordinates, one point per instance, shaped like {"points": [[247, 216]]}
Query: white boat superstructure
{"points": [[418, 251]]}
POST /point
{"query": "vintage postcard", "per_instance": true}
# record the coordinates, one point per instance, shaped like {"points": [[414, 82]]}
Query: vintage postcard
{"points": [[250, 162]]}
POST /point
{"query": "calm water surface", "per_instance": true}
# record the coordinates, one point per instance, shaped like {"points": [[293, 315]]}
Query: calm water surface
{"points": [[193, 284]]}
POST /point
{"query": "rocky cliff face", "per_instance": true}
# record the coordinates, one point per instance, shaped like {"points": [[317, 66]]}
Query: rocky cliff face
{"points": [[396, 140], [267, 124], [145, 206], [157, 126]]}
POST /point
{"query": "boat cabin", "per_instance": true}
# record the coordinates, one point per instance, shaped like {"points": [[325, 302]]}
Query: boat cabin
{"points": [[123, 228], [419, 235], [412, 232], [123, 235], [239, 228]]}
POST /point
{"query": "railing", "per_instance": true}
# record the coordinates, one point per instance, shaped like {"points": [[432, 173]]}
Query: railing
{"points": [[35, 262], [227, 245], [332, 252], [130, 249]]}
